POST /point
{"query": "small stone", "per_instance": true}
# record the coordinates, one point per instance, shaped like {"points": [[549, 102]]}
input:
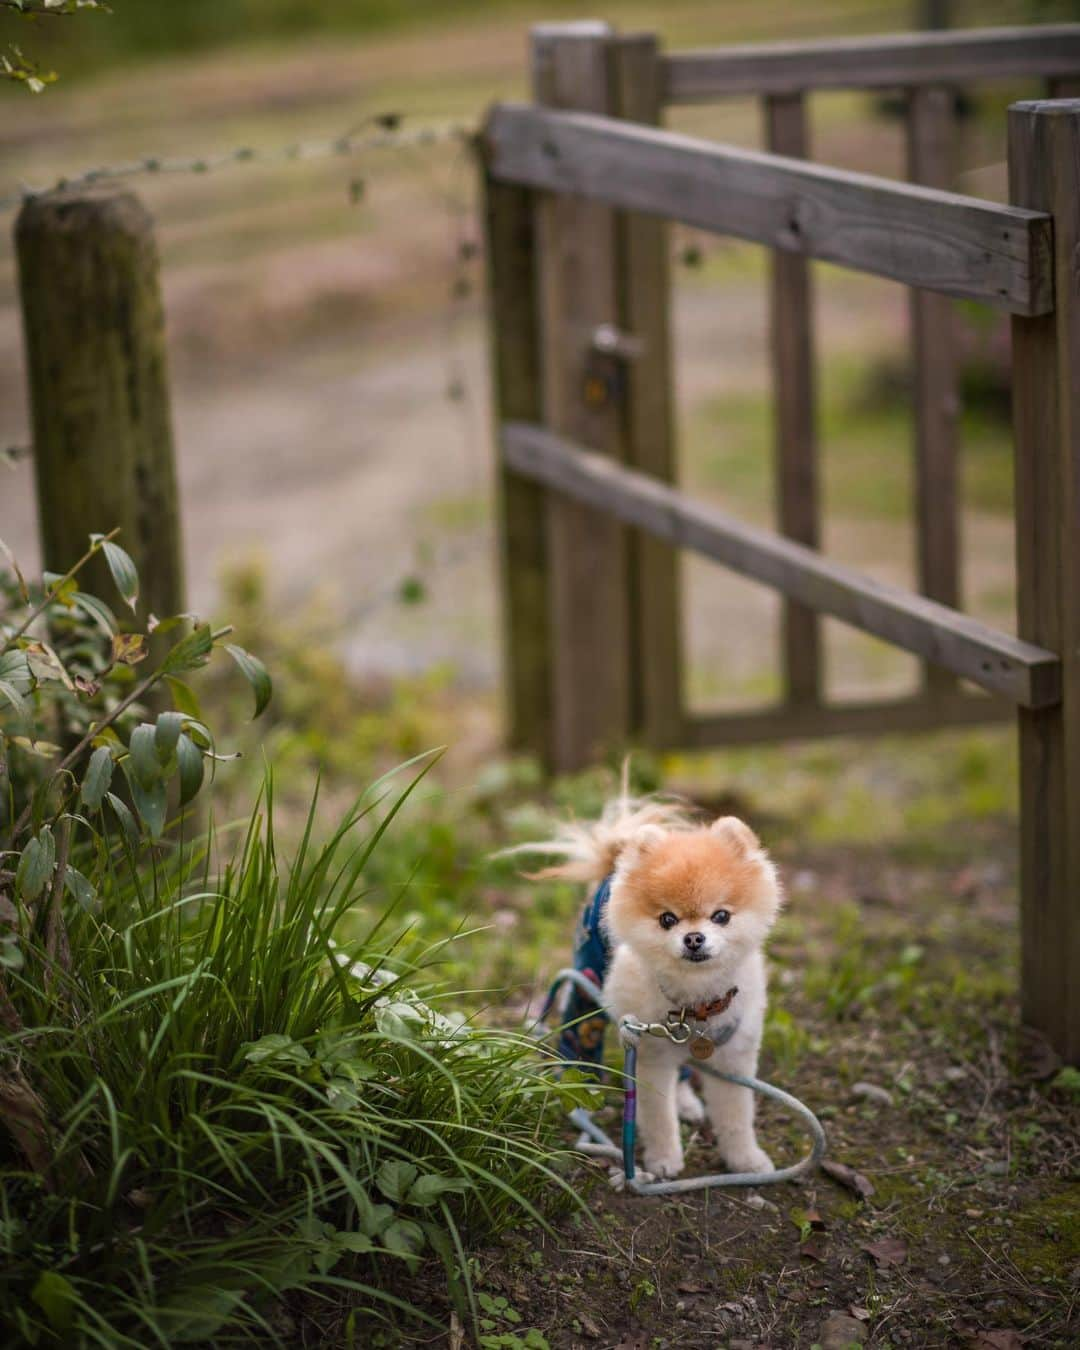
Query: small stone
{"points": [[873, 1093], [943, 1260], [954, 1073], [839, 1331], [974, 1213]]}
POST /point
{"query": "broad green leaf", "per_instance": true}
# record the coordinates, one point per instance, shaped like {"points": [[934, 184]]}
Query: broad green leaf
{"points": [[15, 669], [341, 1095], [98, 611], [124, 571], [429, 1188], [405, 1239], [99, 774], [56, 1298], [183, 697], [200, 733], [276, 1046], [190, 759], [36, 865], [257, 675], [61, 591], [354, 1242], [371, 1217], [45, 664], [164, 626], [11, 954], [151, 802], [196, 1314], [11, 695], [124, 817], [167, 733], [395, 1177], [79, 888], [190, 652], [145, 765]]}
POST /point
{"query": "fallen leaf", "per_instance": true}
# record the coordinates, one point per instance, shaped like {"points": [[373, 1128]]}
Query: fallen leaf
{"points": [[997, 1340], [862, 1186], [689, 1287], [859, 1314], [888, 1251], [816, 1246]]}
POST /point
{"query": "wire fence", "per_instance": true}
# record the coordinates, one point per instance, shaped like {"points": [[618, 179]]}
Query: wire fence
{"points": [[382, 131]]}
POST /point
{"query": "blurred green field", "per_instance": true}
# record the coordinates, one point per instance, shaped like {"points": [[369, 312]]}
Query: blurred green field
{"points": [[314, 339]]}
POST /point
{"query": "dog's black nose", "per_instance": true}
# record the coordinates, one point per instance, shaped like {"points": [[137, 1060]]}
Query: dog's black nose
{"points": [[694, 941]]}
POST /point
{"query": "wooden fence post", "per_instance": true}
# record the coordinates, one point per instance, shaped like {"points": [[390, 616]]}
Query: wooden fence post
{"points": [[791, 336], [645, 315], [587, 550], [930, 139], [514, 333], [1044, 175], [95, 352]]}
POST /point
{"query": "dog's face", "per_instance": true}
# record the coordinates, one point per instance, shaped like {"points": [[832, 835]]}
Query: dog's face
{"points": [[693, 900]]}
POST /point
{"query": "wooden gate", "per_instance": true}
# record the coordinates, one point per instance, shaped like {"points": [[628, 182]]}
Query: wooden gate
{"points": [[578, 186]]}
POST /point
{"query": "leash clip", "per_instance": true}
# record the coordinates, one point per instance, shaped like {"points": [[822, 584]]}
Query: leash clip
{"points": [[676, 1032]]}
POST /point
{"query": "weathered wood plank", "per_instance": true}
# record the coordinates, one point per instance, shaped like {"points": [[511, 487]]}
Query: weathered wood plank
{"points": [[791, 336], [930, 146], [1044, 172], [587, 549], [514, 330], [1028, 674], [645, 302], [99, 389], [958, 245], [783, 723], [897, 60]]}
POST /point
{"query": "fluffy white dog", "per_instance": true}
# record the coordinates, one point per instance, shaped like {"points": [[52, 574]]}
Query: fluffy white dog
{"points": [[685, 921]]}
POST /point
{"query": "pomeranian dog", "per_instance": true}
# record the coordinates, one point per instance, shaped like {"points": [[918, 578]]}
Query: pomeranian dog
{"points": [[681, 915]]}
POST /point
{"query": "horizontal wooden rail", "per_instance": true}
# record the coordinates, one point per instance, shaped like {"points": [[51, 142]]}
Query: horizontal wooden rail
{"points": [[924, 713], [1029, 675], [892, 61], [922, 237]]}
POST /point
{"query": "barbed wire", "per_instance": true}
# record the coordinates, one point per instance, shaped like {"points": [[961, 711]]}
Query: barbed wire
{"points": [[389, 135]]}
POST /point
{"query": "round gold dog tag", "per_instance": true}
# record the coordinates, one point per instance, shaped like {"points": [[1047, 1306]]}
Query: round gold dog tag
{"points": [[701, 1047]]}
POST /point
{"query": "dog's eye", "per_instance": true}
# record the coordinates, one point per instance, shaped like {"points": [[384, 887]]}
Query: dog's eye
{"points": [[668, 920], [721, 916]]}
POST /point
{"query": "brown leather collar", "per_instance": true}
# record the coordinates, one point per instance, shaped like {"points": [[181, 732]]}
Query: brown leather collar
{"points": [[701, 1012]]}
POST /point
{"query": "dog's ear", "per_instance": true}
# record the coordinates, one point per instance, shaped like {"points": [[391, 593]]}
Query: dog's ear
{"points": [[737, 834], [641, 843]]}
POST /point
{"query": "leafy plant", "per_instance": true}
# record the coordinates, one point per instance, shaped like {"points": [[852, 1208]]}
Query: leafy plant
{"points": [[71, 706], [248, 1107]]}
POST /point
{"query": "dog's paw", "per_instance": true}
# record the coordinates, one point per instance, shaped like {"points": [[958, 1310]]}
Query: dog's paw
{"points": [[690, 1106], [749, 1158], [663, 1165]]}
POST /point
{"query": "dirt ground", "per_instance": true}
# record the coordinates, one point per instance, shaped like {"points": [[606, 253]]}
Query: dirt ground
{"points": [[950, 1215]]}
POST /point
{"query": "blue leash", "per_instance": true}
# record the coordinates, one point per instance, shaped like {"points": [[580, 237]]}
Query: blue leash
{"points": [[599, 1141]]}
